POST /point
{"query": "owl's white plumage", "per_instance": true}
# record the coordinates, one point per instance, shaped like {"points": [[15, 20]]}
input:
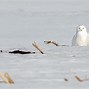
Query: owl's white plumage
{"points": [[81, 37]]}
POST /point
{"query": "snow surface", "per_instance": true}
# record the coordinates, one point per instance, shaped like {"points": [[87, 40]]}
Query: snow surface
{"points": [[25, 21]]}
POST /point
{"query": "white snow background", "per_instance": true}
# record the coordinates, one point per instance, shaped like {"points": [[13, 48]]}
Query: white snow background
{"points": [[25, 21]]}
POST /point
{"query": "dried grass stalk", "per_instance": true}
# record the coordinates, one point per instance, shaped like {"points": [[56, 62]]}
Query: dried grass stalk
{"points": [[78, 78], [81, 80], [37, 47], [6, 78], [52, 42]]}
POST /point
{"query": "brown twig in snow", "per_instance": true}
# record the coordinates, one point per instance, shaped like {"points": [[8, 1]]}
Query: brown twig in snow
{"points": [[37, 47], [6, 78], [52, 42], [81, 80]]}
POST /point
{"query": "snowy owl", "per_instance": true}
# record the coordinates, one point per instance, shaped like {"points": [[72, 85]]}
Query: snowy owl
{"points": [[81, 37]]}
